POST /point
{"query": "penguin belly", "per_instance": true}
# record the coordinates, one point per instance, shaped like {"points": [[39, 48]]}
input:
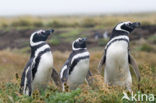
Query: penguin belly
{"points": [[117, 66], [78, 74], [44, 71]]}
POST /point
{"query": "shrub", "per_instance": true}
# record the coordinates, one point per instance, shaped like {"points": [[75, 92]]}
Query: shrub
{"points": [[64, 97], [98, 93], [146, 47], [38, 24], [102, 42], [21, 23], [71, 33], [56, 24], [54, 41], [146, 23], [88, 22], [4, 25], [152, 39]]}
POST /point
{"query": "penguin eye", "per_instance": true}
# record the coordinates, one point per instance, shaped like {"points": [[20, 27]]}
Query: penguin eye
{"points": [[129, 24], [80, 40], [40, 32]]}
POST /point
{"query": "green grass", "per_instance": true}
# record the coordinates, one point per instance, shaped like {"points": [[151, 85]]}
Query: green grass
{"points": [[13, 61], [54, 41], [102, 42], [98, 93], [72, 33], [146, 47], [9, 94], [24, 50], [101, 93], [152, 39]]}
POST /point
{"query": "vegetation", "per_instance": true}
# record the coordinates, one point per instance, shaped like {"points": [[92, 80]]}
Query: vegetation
{"points": [[98, 93], [54, 41], [103, 21], [12, 61], [146, 47], [102, 42], [152, 39]]}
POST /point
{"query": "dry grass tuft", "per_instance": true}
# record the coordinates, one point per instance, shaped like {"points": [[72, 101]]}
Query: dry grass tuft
{"points": [[12, 64]]}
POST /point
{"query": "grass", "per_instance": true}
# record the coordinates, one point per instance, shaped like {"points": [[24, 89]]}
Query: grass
{"points": [[98, 93], [103, 21], [12, 62], [152, 39], [146, 47], [72, 33], [54, 41], [102, 42]]}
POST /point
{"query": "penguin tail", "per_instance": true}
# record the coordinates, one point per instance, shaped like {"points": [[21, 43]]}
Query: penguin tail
{"points": [[101, 63], [135, 69], [56, 78]]}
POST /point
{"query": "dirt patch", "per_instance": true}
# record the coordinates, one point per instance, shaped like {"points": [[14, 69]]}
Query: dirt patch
{"points": [[20, 38]]}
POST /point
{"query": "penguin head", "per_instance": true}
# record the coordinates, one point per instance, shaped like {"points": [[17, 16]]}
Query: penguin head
{"points": [[79, 43], [126, 27], [40, 36]]}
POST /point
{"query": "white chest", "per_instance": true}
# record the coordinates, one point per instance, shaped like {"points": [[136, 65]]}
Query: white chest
{"points": [[117, 51], [117, 67], [44, 69], [79, 72]]}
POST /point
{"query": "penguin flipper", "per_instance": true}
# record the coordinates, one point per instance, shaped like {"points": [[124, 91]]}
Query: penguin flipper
{"points": [[102, 62], [29, 81], [24, 75], [55, 77], [64, 77], [89, 78], [134, 66], [27, 88]]}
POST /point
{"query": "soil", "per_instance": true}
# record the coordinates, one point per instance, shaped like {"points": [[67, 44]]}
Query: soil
{"points": [[20, 38]]}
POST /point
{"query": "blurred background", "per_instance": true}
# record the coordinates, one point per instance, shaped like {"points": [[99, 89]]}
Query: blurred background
{"points": [[71, 19]]}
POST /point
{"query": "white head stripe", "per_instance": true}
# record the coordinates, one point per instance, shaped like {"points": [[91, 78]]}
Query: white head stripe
{"points": [[118, 27], [31, 39], [76, 48], [80, 55], [40, 31], [63, 69], [42, 48]]}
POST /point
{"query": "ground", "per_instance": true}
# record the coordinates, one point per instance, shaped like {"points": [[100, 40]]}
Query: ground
{"points": [[15, 52]]}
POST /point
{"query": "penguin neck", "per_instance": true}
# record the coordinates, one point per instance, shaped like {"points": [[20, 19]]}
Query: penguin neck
{"points": [[34, 48], [116, 33], [80, 49]]}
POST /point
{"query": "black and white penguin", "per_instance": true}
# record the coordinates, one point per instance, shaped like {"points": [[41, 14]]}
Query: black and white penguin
{"points": [[117, 57], [76, 69], [38, 70]]}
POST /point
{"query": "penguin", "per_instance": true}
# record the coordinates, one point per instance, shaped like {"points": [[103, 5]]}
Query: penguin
{"points": [[76, 68], [39, 68], [117, 57]]}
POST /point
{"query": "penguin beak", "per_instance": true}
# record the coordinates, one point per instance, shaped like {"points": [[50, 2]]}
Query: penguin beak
{"points": [[136, 24], [51, 31], [48, 32], [84, 39]]}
